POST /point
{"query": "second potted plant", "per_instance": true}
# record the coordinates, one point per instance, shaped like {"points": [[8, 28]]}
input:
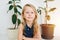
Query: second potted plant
{"points": [[47, 29]]}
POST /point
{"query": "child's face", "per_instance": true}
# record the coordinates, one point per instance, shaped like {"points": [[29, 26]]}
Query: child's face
{"points": [[29, 13]]}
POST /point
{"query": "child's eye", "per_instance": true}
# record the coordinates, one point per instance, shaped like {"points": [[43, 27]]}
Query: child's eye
{"points": [[27, 12], [32, 12]]}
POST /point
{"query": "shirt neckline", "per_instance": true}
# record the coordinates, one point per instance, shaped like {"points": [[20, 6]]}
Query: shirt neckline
{"points": [[29, 27]]}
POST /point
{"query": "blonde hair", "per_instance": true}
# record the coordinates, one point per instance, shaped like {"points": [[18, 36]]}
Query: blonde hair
{"points": [[35, 20]]}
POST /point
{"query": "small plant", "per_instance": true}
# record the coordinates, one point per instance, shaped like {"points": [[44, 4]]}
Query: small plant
{"points": [[13, 5], [47, 17]]}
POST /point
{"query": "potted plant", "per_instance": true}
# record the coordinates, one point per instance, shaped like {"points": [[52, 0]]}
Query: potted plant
{"points": [[47, 28], [13, 32], [13, 5]]}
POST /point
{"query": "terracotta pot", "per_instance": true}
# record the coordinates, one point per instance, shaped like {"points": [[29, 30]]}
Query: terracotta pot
{"points": [[47, 31]]}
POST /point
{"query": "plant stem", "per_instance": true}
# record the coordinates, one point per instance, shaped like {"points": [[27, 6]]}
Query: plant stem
{"points": [[14, 12], [46, 11], [15, 26]]}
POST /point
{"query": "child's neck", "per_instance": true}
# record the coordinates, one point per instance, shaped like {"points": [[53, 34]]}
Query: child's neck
{"points": [[29, 23]]}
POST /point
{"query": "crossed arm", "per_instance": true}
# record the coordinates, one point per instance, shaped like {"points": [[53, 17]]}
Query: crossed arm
{"points": [[21, 37]]}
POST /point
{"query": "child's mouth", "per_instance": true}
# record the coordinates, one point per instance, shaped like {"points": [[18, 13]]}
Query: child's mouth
{"points": [[29, 17]]}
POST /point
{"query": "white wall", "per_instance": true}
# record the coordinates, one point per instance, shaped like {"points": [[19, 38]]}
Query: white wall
{"points": [[5, 18], [4, 23]]}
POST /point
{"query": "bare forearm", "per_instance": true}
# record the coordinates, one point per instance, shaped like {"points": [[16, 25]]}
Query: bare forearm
{"points": [[32, 38]]}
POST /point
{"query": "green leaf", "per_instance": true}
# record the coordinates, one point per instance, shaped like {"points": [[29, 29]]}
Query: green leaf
{"points": [[15, 10], [19, 6], [39, 11], [14, 19], [19, 13], [13, 0], [10, 7], [19, 0], [19, 21], [48, 0], [52, 9], [16, 0], [10, 2]]}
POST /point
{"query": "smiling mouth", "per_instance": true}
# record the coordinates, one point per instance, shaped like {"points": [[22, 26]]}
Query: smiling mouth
{"points": [[29, 17]]}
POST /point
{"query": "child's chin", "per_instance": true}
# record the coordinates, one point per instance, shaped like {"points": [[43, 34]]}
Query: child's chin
{"points": [[30, 20]]}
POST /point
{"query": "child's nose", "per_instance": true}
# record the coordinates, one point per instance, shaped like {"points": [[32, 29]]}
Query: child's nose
{"points": [[29, 14]]}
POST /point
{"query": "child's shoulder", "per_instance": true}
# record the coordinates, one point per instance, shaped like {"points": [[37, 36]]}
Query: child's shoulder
{"points": [[20, 25]]}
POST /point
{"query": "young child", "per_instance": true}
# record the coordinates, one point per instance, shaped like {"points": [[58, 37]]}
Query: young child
{"points": [[29, 28]]}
